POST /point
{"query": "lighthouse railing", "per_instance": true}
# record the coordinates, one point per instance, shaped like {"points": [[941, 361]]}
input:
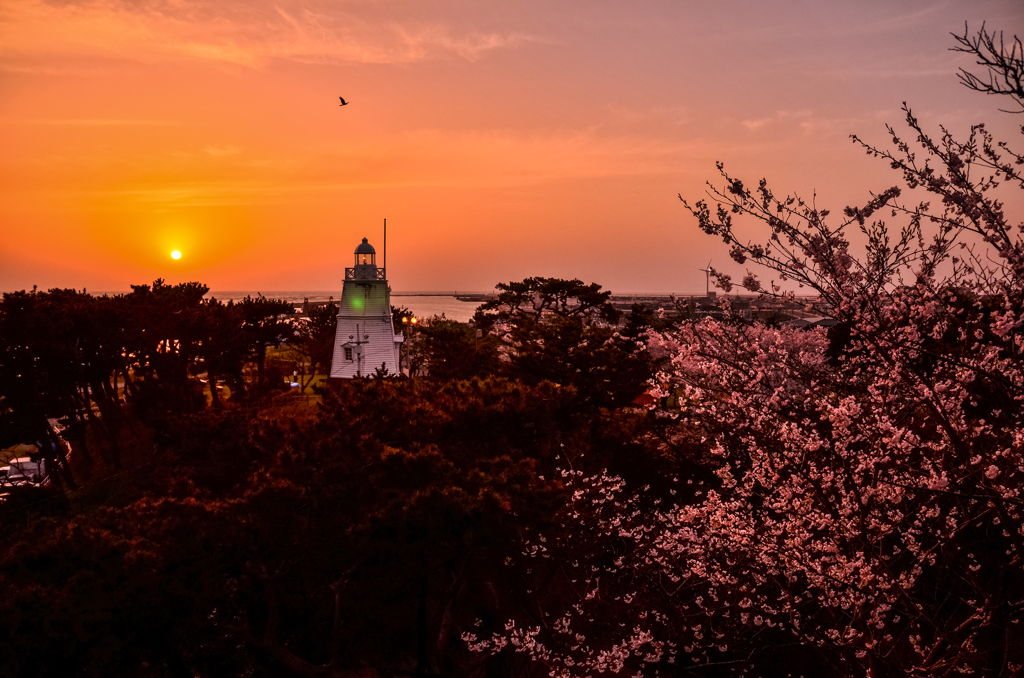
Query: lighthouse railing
{"points": [[367, 273]]}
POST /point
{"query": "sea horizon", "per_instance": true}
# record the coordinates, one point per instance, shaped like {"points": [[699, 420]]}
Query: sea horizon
{"points": [[291, 295]]}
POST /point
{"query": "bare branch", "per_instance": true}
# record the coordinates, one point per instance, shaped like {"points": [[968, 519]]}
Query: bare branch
{"points": [[1005, 65]]}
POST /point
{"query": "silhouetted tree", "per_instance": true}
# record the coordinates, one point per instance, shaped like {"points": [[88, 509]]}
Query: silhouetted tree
{"points": [[446, 349], [265, 323], [223, 348], [314, 339], [566, 332]]}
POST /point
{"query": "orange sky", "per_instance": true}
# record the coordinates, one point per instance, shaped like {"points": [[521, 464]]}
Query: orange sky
{"points": [[500, 140]]}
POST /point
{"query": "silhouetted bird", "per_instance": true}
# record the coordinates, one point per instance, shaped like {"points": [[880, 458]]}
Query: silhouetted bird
{"points": [[343, 102]]}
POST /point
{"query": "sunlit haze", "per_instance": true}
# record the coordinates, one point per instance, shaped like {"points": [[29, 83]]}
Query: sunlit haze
{"points": [[500, 140]]}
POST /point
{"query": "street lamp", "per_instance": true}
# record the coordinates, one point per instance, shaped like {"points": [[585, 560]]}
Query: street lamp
{"points": [[407, 322]]}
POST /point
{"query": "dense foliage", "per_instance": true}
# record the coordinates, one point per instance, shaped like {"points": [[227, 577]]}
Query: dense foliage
{"points": [[367, 540], [362, 534], [567, 332], [85, 360]]}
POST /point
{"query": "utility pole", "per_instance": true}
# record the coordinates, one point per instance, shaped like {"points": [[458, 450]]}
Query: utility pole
{"points": [[359, 349]]}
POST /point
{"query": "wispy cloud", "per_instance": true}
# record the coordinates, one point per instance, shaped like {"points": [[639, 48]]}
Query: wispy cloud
{"points": [[90, 122], [810, 122], [38, 69], [235, 32], [425, 158], [221, 151], [778, 117], [677, 114]]}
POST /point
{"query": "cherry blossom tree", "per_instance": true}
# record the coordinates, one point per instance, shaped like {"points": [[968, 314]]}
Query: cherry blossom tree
{"points": [[863, 510]]}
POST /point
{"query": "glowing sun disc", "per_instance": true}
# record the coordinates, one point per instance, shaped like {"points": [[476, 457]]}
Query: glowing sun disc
{"points": [[175, 254]]}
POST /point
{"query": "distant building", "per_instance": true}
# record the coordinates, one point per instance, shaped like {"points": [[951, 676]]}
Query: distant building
{"points": [[366, 338]]}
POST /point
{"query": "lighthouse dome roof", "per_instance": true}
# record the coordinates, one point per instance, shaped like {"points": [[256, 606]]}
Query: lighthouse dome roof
{"points": [[365, 248]]}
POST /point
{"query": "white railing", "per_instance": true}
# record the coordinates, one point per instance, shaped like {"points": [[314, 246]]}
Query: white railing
{"points": [[365, 273]]}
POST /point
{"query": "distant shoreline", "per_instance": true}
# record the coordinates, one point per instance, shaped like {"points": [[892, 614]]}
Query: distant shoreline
{"points": [[401, 293], [468, 295]]}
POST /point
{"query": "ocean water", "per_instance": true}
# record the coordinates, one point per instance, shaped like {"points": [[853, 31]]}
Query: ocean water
{"points": [[423, 305]]}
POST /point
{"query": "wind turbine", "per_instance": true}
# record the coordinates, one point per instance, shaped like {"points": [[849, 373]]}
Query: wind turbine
{"points": [[707, 275]]}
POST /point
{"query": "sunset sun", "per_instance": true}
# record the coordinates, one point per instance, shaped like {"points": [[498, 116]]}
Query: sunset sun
{"points": [[175, 254]]}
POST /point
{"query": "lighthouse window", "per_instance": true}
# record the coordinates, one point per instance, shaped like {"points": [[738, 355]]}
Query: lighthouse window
{"points": [[348, 354]]}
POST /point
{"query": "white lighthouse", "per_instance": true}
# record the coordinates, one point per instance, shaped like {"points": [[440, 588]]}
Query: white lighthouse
{"points": [[366, 338]]}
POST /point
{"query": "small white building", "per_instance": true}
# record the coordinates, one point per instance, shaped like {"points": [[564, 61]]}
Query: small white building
{"points": [[366, 338]]}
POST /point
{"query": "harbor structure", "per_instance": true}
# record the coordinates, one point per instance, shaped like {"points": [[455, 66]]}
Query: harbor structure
{"points": [[365, 339]]}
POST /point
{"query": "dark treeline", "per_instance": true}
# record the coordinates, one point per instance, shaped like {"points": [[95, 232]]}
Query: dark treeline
{"points": [[196, 536], [89, 361], [365, 538]]}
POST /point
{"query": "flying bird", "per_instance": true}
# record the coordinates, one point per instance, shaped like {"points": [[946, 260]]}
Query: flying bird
{"points": [[343, 102]]}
